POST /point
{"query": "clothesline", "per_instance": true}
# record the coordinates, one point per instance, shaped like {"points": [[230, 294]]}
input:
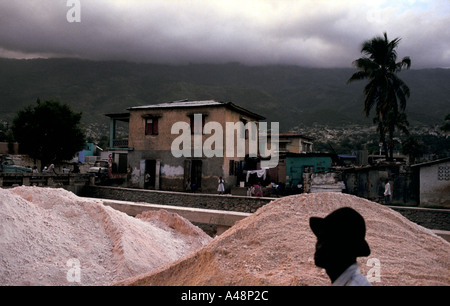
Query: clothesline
{"points": [[259, 173]]}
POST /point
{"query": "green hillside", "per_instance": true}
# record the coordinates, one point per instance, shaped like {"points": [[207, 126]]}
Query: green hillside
{"points": [[292, 95]]}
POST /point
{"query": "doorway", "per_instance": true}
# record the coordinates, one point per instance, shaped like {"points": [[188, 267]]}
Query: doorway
{"points": [[150, 174], [193, 174]]}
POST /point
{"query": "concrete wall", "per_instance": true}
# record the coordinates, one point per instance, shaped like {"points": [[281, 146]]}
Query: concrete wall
{"points": [[435, 185], [172, 171], [295, 166], [437, 219], [197, 200], [368, 182]]}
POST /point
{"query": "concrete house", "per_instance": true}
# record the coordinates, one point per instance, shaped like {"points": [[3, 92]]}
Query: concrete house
{"points": [[434, 182], [290, 144], [295, 143], [298, 164], [167, 143]]}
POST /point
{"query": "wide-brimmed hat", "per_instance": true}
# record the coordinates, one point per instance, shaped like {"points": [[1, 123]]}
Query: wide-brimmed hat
{"points": [[344, 225]]}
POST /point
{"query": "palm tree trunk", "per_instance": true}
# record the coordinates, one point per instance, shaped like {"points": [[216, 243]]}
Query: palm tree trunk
{"points": [[385, 145], [391, 145], [381, 129], [383, 141]]}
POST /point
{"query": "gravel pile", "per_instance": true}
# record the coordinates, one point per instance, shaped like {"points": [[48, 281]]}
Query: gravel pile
{"points": [[52, 237], [275, 246]]}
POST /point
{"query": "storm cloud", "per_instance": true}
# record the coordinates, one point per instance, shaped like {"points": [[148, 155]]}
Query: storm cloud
{"points": [[307, 33]]}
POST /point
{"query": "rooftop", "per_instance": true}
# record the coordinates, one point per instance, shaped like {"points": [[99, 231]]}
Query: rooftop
{"points": [[181, 103], [433, 162], [202, 103]]}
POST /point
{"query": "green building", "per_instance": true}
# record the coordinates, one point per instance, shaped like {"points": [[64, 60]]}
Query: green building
{"points": [[297, 164]]}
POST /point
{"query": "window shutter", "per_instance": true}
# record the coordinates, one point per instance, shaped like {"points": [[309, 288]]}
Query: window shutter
{"points": [[155, 126], [148, 126]]}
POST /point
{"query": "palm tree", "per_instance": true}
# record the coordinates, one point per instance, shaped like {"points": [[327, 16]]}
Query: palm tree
{"points": [[412, 147], [385, 90], [392, 120]]}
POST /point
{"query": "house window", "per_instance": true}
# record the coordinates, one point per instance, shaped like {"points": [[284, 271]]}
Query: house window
{"points": [[195, 129], [443, 173], [306, 146], [151, 126], [244, 132]]}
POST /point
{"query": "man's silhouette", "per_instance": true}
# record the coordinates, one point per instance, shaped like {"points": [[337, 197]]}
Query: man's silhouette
{"points": [[340, 239]]}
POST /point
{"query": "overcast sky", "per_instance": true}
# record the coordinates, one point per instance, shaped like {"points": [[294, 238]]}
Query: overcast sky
{"points": [[314, 33]]}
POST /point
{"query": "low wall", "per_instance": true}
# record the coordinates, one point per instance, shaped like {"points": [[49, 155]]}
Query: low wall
{"points": [[220, 219], [438, 219], [46, 179], [196, 200]]}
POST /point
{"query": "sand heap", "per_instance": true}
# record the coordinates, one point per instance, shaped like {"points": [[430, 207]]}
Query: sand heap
{"points": [[45, 233], [275, 246]]}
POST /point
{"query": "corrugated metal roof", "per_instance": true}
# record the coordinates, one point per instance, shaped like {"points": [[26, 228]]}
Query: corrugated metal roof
{"points": [[433, 162], [187, 103], [182, 103]]}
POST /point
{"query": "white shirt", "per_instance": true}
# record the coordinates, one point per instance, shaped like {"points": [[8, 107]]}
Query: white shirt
{"points": [[351, 277], [387, 189]]}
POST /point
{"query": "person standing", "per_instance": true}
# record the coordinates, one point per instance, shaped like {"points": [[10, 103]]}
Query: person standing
{"points": [[146, 180], [188, 185], [387, 192], [221, 188]]}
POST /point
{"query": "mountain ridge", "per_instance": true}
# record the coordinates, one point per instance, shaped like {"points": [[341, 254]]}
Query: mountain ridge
{"points": [[292, 95]]}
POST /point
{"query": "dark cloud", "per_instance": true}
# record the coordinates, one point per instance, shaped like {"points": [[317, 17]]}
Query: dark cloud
{"points": [[311, 33]]}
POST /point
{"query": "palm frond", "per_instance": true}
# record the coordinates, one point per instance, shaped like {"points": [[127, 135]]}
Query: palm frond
{"points": [[366, 64], [357, 76], [371, 97], [401, 90], [404, 63]]}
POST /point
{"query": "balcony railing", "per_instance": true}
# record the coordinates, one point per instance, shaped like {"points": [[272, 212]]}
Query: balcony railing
{"points": [[120, 143]]}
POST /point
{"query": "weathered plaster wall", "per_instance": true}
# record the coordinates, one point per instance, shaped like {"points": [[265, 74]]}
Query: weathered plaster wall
{"points": [[435, 185]]}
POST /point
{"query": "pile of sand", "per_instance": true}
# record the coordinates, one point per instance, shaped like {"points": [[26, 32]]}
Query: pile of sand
{"points": [[48, 235], [275, 246]]}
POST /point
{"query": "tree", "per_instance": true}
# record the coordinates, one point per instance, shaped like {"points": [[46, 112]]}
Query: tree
{"points": [[385, 91], [412, 147], [49, 131], [393, 120], [446, 126]]}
